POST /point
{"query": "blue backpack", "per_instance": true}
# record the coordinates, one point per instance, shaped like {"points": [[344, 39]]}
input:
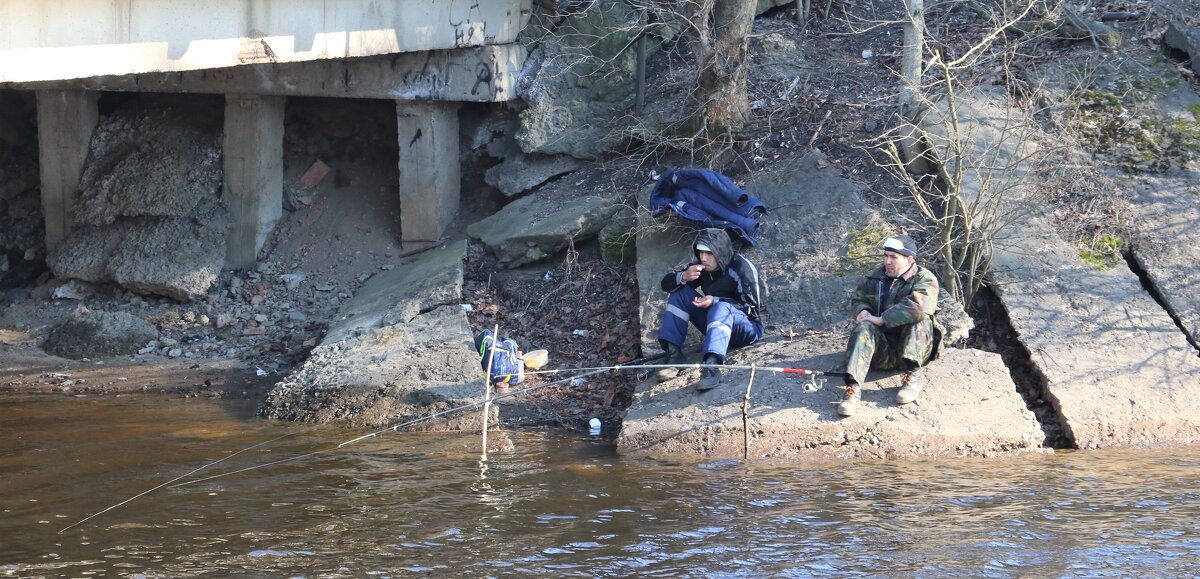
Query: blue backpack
{"points": [[506, 365]]}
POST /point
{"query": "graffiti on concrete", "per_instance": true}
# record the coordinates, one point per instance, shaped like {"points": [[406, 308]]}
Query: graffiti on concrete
{"points": [[470, 30]]}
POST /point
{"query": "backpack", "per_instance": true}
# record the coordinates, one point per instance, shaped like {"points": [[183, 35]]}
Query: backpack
{"points": [[507, 367]]}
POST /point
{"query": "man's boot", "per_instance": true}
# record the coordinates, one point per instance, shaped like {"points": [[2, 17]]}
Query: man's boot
{"points": [[911, 386], [850, 404], [710, 374], [674, 356]]}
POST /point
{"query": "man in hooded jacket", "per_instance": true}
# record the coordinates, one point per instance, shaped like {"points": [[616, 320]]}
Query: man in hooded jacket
{"points": [[720, 293]]}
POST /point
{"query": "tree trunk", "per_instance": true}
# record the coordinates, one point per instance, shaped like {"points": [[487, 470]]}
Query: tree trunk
{"points": [[911, 65], [721, 106]]}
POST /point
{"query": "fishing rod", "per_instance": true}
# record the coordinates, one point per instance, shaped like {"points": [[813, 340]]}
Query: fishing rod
{"points": [[775, 369]]}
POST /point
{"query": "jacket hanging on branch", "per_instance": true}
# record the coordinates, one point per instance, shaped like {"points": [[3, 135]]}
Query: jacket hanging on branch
{"points": [[710, 199]]}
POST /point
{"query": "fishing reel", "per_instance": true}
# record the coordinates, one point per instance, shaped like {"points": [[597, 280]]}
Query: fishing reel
{"points": [[814, 383]]}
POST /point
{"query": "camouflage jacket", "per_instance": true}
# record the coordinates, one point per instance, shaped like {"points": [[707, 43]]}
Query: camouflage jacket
{"points": [[898, 301]]}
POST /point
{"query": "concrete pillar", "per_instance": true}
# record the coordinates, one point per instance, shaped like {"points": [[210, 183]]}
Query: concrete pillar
{"points": [[253, 173], [429, 171], [66, 120]]}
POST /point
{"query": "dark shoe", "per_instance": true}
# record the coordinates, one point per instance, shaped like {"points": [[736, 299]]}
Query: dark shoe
{"points": [[674, 356], [850, 404], [710, 377], [911, 386]]}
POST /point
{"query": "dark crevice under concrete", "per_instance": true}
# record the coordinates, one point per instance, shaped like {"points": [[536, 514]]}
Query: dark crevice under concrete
{"points": [[1135, 266], [994, 333]]}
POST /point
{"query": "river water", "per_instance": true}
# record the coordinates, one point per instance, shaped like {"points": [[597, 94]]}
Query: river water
{"points": [[422, 504]]}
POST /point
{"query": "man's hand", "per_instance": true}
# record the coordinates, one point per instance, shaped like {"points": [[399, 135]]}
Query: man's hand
{"points": [[703, 302], [692, 273], [865, 316]]}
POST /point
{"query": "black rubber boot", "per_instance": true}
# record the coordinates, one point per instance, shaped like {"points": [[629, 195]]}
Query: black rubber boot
{"points": [[710, 374], [674, 356]]}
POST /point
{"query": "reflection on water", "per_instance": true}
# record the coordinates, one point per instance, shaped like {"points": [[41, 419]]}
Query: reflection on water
{"points": [[421, 503]]}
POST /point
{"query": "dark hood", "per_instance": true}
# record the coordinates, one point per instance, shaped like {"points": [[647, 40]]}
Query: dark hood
{"points": [[720, 243]]}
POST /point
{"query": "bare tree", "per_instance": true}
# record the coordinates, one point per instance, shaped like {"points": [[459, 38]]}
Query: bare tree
{"points": [[961, 182], [720, 34]]}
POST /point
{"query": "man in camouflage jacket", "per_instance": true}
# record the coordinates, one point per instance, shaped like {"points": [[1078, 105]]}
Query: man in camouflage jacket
{"points": [[894, 311]]}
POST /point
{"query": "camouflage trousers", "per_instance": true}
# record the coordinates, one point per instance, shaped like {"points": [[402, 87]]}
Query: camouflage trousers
{"points": [[887, 349]]}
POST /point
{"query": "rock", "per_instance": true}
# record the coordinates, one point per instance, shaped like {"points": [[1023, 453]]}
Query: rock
{"points": [[520, 172], [1158, 174], [174, 257], [293, 280], [174, 353], [1183, 30], [16, 295], [429, 279], [149, 215], [382, 375], [224, 320], [297, 316], [151, 159], [203, 320], [579, 78], [260, 318], [254, 331], [324, 287], [168, 342], [1107, 392], [91, 334], [520, 233], [73, 290], [790, 423], [617, 238]]}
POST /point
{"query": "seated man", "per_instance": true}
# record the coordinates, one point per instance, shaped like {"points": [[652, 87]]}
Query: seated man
{"points": [[721, 295], [893, 308]]}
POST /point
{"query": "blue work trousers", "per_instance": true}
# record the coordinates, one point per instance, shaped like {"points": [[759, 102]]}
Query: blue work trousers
{"points": [[724, 326]]}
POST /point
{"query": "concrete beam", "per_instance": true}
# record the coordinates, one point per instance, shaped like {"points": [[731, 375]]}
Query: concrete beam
{"points": [[66, 120], [63, 39], [429, 170], [480, 74], [253, 173]]}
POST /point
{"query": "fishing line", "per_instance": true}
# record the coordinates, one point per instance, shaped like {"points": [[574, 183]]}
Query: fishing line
{"points": [[393, 428], [588, 371], [182, 476]]}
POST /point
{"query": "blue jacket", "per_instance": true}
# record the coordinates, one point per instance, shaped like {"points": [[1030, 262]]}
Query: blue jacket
{"points": [[710, 199]]}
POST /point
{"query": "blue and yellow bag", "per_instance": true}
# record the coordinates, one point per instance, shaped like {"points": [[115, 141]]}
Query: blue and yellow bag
{"points": [[507, 367]]}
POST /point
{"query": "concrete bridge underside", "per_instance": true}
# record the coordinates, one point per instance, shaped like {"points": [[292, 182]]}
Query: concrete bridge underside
{"points": [[427, 71]]}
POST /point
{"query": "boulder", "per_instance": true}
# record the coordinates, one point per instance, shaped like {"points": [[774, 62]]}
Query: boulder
{"points": [[92, 334], [970, 408], [177, 257], [1183, 28], [531, 228], [1116, 368], [395, 297], [149, 215], [618, 239], [519, 173], [579, 79], [400, 349], [154, 159], [383, 375]]}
